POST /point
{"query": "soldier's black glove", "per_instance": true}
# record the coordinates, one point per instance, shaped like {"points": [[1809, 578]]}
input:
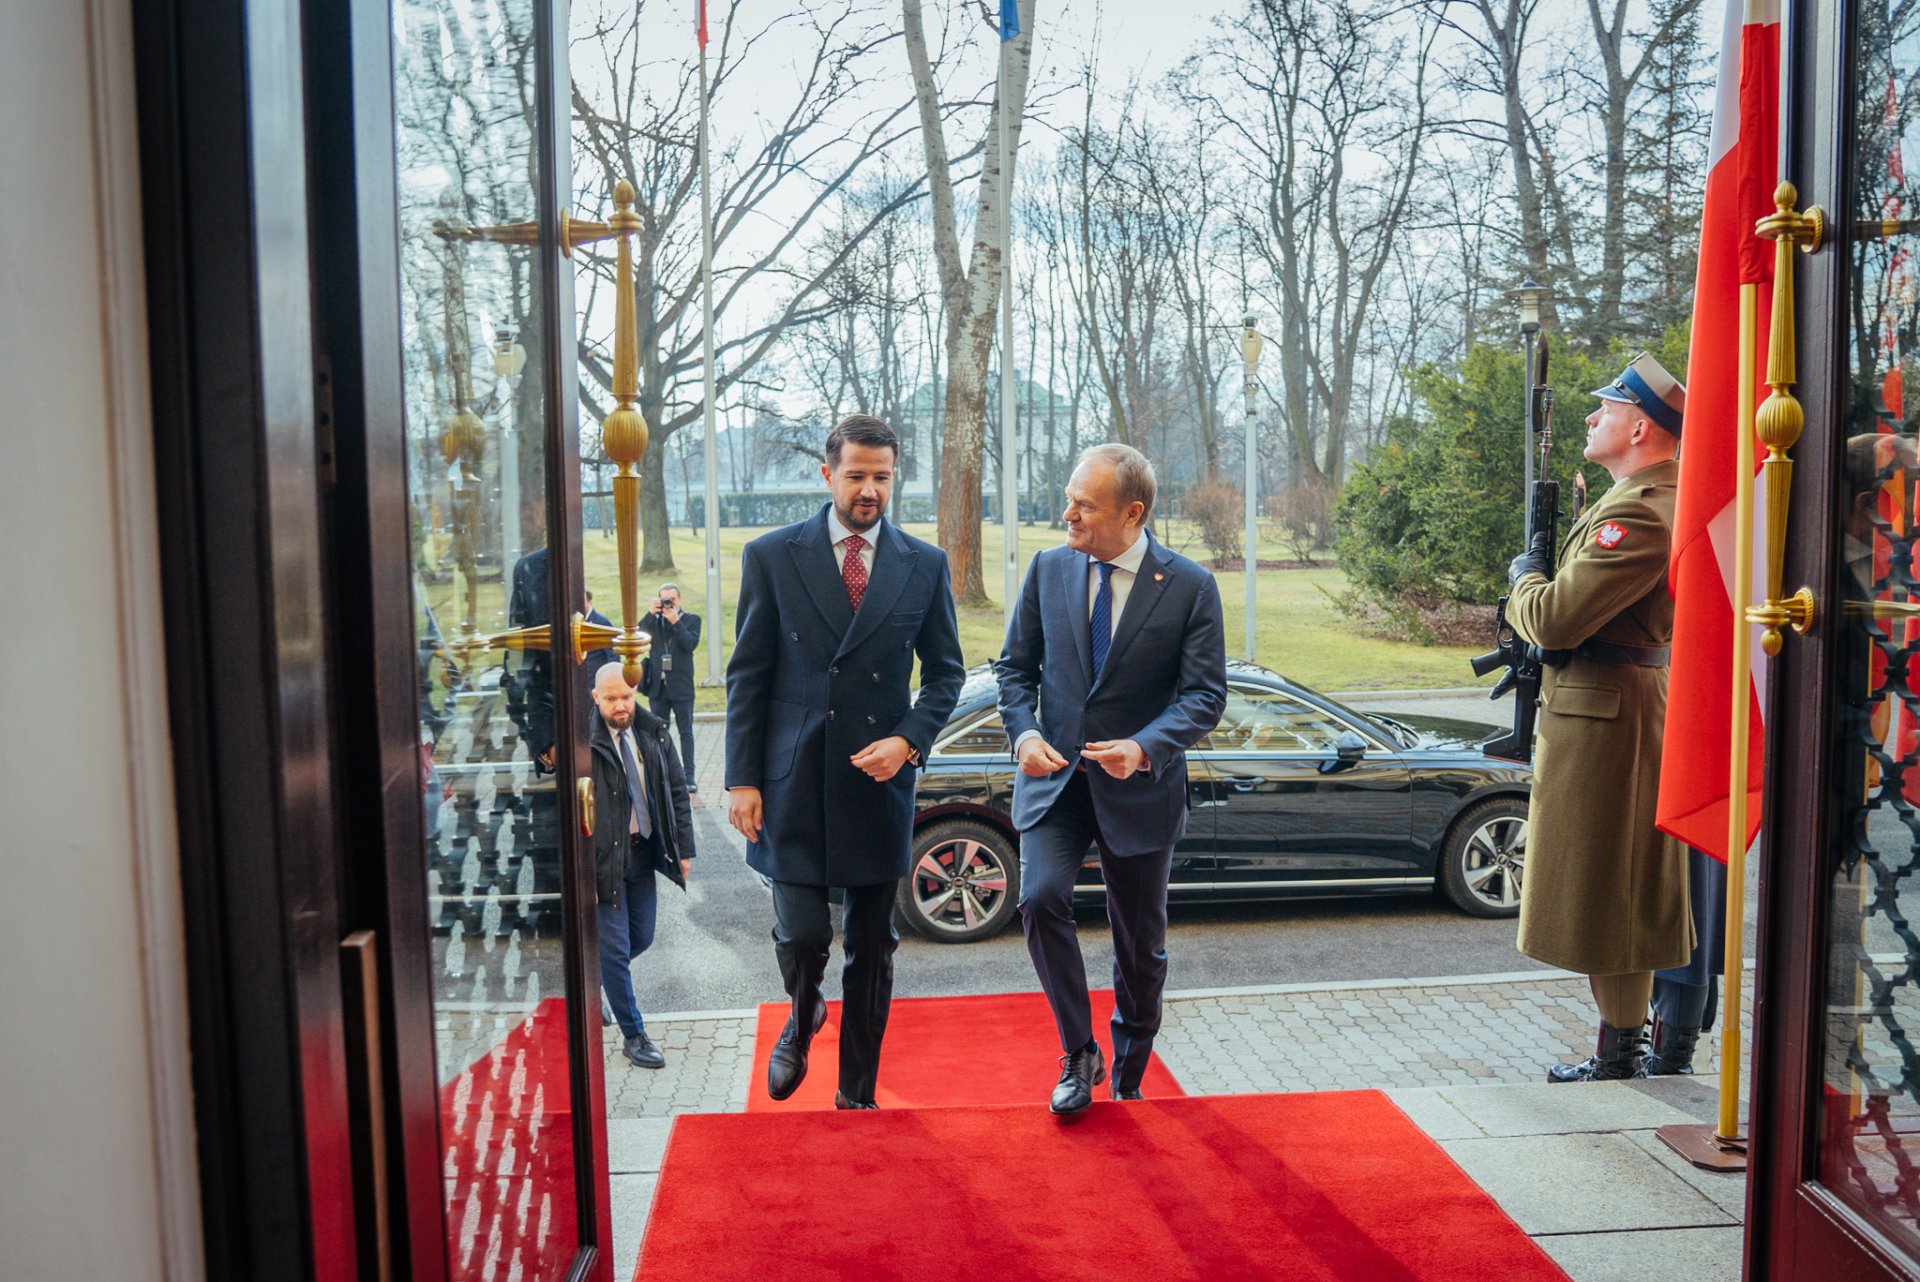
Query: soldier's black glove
{"points": [[1533, 561]]}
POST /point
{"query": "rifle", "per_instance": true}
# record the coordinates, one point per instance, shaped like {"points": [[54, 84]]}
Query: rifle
{"points": [[1523, 661]]}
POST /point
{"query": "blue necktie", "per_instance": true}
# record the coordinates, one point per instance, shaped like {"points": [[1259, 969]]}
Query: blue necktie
{"points": [[636, 791], [1102, 623]]}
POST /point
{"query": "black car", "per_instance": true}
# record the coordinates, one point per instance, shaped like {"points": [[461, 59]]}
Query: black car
{"points": [[1292, 794]]}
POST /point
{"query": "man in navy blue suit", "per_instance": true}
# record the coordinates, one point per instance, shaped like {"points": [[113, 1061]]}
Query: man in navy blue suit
{"points": [[825, 739], [1115, 665]]}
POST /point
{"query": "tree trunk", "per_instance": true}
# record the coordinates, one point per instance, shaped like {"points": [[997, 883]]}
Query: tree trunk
{"points": [[970, 293]]}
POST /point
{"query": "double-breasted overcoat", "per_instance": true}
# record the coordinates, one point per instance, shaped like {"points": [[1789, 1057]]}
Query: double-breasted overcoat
{"points": [[811, 683], [1605, 891]]}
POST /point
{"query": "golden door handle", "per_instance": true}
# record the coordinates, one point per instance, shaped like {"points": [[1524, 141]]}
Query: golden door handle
{"points": [[1882, 611], [587, 637], [1780, 419], [366, 1091], [623, 439], [583, 790]]}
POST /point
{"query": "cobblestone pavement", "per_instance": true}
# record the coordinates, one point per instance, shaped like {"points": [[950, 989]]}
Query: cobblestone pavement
{"points": [[1476, 1031], [707, 1067]]}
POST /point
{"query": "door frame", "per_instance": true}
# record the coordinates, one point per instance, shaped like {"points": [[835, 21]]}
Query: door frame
{"points": [[236, 451], [273, 303], [1795, 1226]]}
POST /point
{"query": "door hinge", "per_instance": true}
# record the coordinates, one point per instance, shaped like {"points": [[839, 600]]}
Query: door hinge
{"points": [[323, 435]]}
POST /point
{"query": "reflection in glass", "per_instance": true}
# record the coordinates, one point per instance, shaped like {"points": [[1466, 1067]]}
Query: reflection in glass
{"points": [[473, 336], [1870, 1101]]}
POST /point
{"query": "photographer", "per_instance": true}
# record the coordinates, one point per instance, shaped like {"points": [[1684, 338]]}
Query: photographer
{"points": [[668, 679]]}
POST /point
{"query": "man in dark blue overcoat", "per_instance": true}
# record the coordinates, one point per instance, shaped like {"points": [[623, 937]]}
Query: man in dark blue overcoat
{"points": [[825, 739], [1115, 666]]}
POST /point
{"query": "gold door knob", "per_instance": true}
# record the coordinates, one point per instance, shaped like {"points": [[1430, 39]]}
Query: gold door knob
{"points": [[583, 790], [1780, 419]]}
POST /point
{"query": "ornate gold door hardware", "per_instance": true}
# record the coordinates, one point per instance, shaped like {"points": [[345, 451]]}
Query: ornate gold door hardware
{"points": [[623, 437], [1780, 419]]}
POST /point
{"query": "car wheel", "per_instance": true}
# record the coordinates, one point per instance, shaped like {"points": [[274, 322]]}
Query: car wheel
{"points": [[1486, 857], [964, 883]]}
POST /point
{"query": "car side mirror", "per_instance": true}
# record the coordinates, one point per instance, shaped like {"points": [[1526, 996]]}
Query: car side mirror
{"points": [[1348, 751]]}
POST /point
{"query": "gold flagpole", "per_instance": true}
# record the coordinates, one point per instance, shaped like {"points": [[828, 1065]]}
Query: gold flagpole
{"points": [[1728, 1135]]}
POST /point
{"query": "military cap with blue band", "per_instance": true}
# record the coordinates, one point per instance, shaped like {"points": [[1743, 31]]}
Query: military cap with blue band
{"points": [[1646, 383]]}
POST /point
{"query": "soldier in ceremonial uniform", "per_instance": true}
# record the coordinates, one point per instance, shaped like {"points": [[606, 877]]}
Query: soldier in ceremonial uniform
{"points": [[1606, 892]]}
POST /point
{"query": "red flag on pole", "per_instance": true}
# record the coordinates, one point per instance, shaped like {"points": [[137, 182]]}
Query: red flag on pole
{"points": [[700, 23], [1741, 174]]}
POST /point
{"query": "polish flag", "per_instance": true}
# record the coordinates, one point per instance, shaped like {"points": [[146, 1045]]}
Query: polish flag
{"points": [[1742, 171]]}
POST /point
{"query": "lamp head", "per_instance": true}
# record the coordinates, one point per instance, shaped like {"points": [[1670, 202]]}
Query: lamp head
{"points": [[1528, 296]]}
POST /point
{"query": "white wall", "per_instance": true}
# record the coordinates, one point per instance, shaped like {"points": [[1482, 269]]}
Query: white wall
{"points": [[95, 1128]]}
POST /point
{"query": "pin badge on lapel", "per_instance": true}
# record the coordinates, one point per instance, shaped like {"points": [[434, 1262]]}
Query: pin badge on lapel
{"points": [[1158, 577]]}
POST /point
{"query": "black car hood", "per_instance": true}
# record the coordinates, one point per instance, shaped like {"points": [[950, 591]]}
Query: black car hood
{"points": [[1445, 732]]}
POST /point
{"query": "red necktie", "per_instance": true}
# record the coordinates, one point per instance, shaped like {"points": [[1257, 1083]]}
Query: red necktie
{"points": [[854, 570]]}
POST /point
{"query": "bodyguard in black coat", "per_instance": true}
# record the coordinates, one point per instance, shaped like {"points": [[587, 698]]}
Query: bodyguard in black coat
{"points": [[824, 738], [642, 829], [1115, 666]]}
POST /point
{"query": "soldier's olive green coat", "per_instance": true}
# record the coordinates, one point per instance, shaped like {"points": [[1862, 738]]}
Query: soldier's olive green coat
{"points": [[1605, 892]]}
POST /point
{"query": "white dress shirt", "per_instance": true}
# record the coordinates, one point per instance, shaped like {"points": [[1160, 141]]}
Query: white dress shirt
{"points": [[839, 534], [1126, 568]]}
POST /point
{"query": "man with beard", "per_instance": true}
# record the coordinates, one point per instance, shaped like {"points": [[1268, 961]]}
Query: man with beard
{"points": [[642, 827], [824, 739]]}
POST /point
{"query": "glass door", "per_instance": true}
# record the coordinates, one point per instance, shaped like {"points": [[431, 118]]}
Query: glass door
{"points": [[1868, 1103], [493, 986], [1835, 1174]]}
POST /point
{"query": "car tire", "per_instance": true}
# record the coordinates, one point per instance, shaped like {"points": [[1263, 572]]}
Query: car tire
{"points": [[1484, 863], [985, 901]]}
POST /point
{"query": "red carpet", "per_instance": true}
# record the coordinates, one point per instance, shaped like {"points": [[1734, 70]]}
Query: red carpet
{"points": [[507, 1127], [1336, 1187], [946, 1052]]}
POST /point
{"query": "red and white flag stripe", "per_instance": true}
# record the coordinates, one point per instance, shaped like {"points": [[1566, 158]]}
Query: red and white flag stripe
{"points": [[1742, 172]]}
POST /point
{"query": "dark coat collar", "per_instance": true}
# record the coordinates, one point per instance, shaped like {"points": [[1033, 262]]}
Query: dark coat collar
{"points": [[813, 558]]}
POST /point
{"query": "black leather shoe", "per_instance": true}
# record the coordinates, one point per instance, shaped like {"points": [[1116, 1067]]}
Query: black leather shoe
{"points": [[1617, 1055], [787, 1062], [1134, 1093], [840, 1100], [642, 1053], [1080, 1072], [1672, 1051]]}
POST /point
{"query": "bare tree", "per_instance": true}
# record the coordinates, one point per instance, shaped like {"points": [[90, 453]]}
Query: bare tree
{"points": [[635, 117], [970, 291]]}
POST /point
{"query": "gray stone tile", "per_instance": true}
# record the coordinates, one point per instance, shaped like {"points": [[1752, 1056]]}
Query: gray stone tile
{"points": [[1582, 1184], [1698, 1255], [1541, 1109], [1726, 1189], [635, 1145], [631, 1196], [1434, 1115]]}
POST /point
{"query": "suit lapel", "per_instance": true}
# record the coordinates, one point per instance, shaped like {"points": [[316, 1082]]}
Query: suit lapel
{"points": [[813, 561], [1079, 611], [892, 567], [1149, 585]]}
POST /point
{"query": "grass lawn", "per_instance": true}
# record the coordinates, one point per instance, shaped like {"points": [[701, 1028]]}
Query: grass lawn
{"points": [[1302, 631]]}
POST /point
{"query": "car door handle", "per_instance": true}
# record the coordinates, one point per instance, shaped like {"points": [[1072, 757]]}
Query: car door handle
{"points": [[1243, 783]]}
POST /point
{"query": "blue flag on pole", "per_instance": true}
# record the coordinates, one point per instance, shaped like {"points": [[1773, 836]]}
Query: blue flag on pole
{"points": [[1009, 19]]}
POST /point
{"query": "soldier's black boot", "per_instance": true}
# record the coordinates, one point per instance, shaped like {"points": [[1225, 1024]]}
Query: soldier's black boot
{"points": [[1616, 1056], [1672, 1050]]}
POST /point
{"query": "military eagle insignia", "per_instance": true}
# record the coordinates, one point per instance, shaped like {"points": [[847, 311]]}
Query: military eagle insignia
{"points": [[1609, 535]]}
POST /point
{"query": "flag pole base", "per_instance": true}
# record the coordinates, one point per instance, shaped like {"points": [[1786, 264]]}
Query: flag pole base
{"points": [[1703, 1146]]}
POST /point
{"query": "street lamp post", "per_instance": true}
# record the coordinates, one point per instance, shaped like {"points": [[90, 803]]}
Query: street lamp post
{"points": [[1528, 296], [1250, 342], [509, 358]]}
